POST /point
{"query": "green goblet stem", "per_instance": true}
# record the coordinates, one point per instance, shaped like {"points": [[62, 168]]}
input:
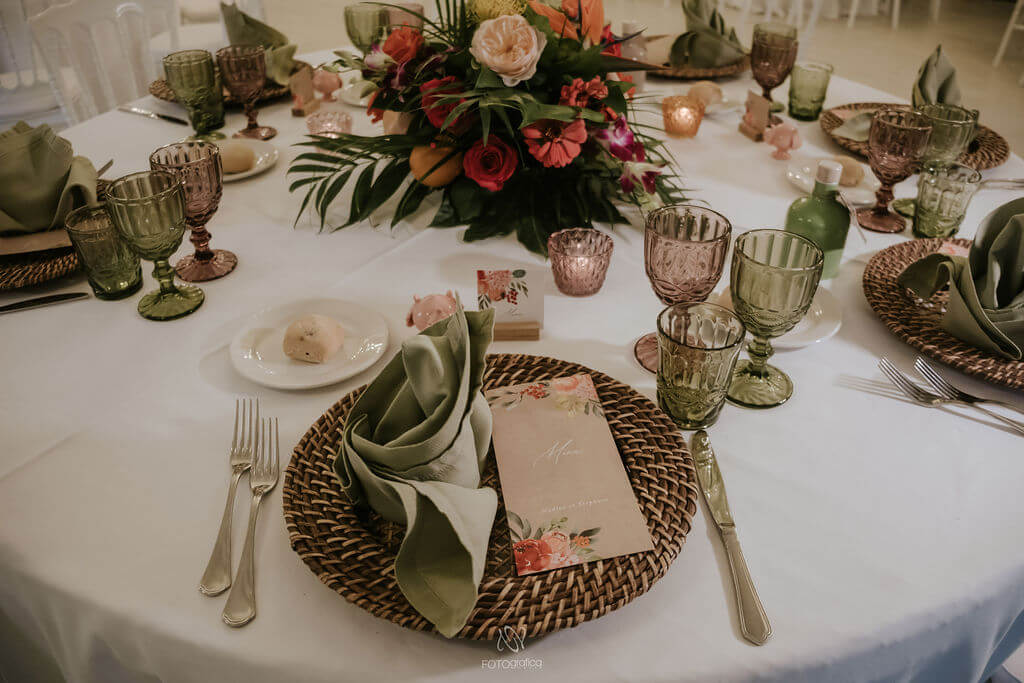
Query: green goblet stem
{"points": [[164, 275], [759, 350]]}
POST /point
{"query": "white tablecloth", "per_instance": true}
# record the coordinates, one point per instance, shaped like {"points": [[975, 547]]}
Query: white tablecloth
{"points": [[884, 538]]}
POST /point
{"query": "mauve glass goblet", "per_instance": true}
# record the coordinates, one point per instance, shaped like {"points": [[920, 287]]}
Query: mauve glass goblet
{"points": [[579, 260], [244, 70], [772, 55], [199, 167], [896, 144], [684, 253], [148, 209]]}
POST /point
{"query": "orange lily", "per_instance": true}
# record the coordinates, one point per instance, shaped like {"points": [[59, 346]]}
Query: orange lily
{"points": [[560, 24], [592, 22]]}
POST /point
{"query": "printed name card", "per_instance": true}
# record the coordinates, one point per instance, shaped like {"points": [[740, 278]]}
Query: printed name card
{"points": [[565, 488], [517, 297]]}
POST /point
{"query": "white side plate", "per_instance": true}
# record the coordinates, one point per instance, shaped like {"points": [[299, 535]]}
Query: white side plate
{"points": [[266, 157], [801, 173], [823, 320]]}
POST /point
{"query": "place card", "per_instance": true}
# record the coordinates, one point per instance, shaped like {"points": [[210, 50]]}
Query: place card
{"points": [[757, 117], [566, 492], [517, 297], [304, 99]]}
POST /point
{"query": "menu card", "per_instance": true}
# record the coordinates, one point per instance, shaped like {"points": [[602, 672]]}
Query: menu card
{"points": [[565, 488]]}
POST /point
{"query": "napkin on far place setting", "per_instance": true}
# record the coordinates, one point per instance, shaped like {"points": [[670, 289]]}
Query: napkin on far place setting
{"points": [[986, 288], [413, 449], [708, 42], [41, 180], [243, 29]]}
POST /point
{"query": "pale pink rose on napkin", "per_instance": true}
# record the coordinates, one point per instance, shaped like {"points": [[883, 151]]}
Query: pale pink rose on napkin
{"points": [[509, 46]]}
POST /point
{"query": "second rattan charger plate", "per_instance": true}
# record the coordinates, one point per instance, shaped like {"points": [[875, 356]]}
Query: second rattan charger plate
{"points": [[693, 73], [920, 326], [353, 552]]}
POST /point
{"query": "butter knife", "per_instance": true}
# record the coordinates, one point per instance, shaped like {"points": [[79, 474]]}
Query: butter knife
{"points": [[753, 620], [152, 114], [47, 300]]}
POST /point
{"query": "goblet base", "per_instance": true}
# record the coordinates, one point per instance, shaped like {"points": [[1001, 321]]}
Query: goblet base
{"points": [[192, 269], [646, 351], [879, 221], [207, 137], [107, 295], [170, 305], [761, 389], [905, 206], [257, 133]]}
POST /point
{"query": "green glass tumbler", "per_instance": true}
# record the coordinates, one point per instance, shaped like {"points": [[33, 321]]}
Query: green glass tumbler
{"points": [[197, 86], [112, 268], [953, 129], [698, 344], [148, 209], [774, 277], [943, 193], [808, 85]]}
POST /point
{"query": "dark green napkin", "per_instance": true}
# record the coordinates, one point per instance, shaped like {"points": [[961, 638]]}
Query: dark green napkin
{"points": [[245, 30], [708, 42], [413, 449], [986, 288], [41, 180]]}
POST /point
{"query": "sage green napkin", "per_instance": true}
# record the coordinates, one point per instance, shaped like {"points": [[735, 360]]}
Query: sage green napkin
{"points": [[708, 42], [41, 180], [413, 450], [245, 30], [986, 288]]}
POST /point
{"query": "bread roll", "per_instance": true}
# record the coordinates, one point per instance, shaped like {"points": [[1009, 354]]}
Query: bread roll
{"points": [[707, 91], [313, 338], [853, 171], [236, 157]]}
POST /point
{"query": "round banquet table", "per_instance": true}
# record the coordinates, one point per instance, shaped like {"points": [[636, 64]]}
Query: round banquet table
{"points": [[884, 538]]}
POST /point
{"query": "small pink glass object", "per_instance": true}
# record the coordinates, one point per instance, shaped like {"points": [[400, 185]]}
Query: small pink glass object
{"points": [[330, 124], [784, 137], [682, 115], [405, 14], [326, 82], [579, 260], [430, 309]]}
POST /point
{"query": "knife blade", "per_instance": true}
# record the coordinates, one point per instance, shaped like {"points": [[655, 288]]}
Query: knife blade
{"points": [[753, 619], [47, 300], [152, 114]]}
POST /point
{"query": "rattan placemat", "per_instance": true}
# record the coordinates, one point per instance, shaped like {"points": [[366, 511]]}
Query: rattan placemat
{"points": [[988, 150], [919, 325], [22, 270], [693, 73], [353, 552], [271, 91]]}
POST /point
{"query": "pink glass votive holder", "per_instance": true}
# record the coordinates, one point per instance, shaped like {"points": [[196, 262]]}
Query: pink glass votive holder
{"points": [[579, 260], [682, 115], [330, 124]]}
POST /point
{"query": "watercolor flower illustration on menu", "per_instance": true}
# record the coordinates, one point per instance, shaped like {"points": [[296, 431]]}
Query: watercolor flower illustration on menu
{"points": [[550, 545], [505, 285], [576, 395]]}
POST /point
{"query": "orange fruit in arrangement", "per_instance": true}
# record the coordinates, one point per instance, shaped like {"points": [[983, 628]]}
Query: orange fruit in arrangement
{"points": [[424, 158]]}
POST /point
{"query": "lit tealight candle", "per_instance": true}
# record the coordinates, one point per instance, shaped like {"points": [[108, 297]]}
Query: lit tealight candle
{"points": [[683, 114]]}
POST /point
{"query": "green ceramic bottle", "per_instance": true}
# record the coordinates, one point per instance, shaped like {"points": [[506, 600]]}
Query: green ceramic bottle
{"points": [[821, 217]]}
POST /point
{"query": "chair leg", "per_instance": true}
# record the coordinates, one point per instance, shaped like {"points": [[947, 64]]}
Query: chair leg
{"points": [[745, 12], [895, 14], [935, 6], [854, 8], [812, 20], [1014, 15]]}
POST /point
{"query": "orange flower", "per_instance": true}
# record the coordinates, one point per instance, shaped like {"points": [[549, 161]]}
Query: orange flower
{"points": [[374, 114], [581, 541], [579, 92], [555, 143], [531, 555], [403, 44], [560, 24], [592, 21]]}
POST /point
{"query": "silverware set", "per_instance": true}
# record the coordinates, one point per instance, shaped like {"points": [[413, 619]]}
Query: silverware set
{"points": [[943, 392], [256, 450]]}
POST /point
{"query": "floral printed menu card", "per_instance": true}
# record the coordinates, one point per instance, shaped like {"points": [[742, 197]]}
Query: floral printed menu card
{"points": [[516, 295], [565, 488]]}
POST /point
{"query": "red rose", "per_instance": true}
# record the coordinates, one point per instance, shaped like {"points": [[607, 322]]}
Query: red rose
{"points": [[403, 44], [532, 555], [433, 90], [491, 164]]}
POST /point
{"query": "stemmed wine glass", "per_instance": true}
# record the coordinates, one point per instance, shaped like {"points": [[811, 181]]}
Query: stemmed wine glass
{"points": [[148, 209], [197, 86], [244, 69], [772, 56], [199, 167], [365, 23], [774, 277], [684, 254], [896, 143]]}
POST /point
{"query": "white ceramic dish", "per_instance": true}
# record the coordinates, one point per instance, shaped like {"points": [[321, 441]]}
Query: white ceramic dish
{"points": [[801, 173], [823, 320], [257, 354], [266, 157], [726, 105]]}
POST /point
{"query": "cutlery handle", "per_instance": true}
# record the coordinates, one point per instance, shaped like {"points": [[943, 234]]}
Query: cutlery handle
{"points": [[1013, 423], [217, 577], [1005, 404], [240, 608], [753, 619]]}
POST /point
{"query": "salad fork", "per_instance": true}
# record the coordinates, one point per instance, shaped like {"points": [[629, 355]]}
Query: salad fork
{"points": [[217, 577], [927, 398], [266, 464], [942, 385]]}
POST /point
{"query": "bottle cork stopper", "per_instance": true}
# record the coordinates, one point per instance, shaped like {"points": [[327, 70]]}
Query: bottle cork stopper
{"points": [[829, 172]]}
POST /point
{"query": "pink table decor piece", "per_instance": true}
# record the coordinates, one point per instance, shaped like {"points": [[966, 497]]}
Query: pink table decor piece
{"points": [[430, 309], [326, 82], [784, 137]]}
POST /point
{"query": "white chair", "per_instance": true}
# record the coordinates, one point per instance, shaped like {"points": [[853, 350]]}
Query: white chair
{"points": [[1010, 28], [934, 7], [25, 92]]}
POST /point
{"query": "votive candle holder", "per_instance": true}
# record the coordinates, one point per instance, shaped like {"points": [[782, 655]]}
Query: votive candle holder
{"points": [[579, 260], [682, 115], [329, 123]]}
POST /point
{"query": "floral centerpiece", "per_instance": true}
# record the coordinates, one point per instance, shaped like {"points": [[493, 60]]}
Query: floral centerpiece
{"points": [[516, 112]]}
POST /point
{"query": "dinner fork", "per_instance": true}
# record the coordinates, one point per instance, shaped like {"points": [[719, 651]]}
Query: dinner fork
{"points": [[217, 577], [942, 385], [266, 464], [927, 398]]}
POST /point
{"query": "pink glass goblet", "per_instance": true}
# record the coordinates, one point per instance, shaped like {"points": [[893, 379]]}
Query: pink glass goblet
{"points": [[896, 144], [198, 165], [684, 253], [772, 56], [579, 260], [244, 70]]}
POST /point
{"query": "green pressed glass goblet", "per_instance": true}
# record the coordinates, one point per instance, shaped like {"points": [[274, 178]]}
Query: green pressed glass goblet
{"points": [[365, 23], [774, 277], [148, 209], [197, 86]]}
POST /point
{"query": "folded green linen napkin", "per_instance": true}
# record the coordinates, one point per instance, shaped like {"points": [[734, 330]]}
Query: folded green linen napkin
{"points": [[708, 42], [41, 180], [245, 30], [413, 450], [986, 288]]}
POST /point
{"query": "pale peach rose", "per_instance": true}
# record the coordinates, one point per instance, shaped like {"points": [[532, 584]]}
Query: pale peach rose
{"points": [[558, 541], [565, 385], [509, 46]]}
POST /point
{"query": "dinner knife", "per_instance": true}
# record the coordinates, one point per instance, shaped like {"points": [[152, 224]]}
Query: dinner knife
{"points": [[152, 114], [753, 620], [47, 300]]}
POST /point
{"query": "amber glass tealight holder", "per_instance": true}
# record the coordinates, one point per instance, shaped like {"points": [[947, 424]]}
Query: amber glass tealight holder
{"points": [[682, 115]]}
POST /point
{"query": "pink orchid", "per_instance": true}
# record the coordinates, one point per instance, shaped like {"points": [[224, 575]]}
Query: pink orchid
{"points": [[639, 173], [619, 141]]}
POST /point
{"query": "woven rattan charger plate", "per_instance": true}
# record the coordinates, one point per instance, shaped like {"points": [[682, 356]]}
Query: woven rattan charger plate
{"points": [[354, 553], [920, 326], [271, 91], [988, 150], [693, 73]]}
